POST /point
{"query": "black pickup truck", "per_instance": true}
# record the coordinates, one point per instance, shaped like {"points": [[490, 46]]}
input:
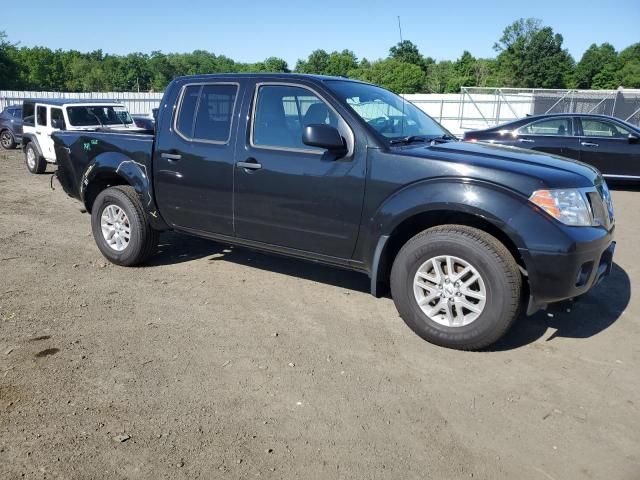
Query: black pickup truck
{"points": [[349, 174]]}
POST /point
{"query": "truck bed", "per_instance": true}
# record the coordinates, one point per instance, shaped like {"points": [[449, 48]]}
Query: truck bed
{"points": [[80, 154]]}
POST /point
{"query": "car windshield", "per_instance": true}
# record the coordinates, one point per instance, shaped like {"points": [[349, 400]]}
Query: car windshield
{"points": [[91, 115], [389, 114]]}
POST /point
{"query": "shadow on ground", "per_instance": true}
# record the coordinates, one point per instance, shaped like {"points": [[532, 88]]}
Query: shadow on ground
{"points": [[177, 248], [583, 318], [589, 315]]}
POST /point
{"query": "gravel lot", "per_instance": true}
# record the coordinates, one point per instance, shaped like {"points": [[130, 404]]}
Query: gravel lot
{"points": [[214, 362]]}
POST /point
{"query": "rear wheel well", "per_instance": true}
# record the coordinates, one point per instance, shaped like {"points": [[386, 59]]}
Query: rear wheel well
{"points": [[100, 183], [416, 224]]}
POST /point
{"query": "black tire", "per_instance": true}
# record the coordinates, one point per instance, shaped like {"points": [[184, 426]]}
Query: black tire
{"points": [[7, 140], [39, 164], [494, 263], [143, 239]]}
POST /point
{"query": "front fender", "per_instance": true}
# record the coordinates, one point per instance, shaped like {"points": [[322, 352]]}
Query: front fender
{"points": [[508, 211]]}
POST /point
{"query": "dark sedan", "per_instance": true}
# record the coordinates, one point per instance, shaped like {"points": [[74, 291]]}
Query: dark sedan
{"points": [[11, 126], [607, 143]]}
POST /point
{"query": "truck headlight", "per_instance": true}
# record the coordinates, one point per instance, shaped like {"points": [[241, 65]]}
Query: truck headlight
{"points": [[565, 205]]}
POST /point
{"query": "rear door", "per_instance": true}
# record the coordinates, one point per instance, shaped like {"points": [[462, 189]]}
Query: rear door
{"points": [[605, 144], [287, 193], [551, 135], [194, 157], [43, 132]]}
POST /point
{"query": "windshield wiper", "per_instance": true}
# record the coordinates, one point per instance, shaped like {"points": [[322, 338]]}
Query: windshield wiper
{"points": [[407, 140]]}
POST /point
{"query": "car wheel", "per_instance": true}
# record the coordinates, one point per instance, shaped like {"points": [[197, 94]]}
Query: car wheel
{"points": [[35, 162], [7, 141], [456, 286], [120, 227]]}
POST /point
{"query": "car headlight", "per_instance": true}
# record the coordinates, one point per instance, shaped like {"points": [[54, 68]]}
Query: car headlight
{"points": [[565, 205]]}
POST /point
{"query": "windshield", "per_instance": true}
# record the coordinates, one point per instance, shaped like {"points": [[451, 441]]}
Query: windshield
{"points": [[389, 114], [91, 115]]}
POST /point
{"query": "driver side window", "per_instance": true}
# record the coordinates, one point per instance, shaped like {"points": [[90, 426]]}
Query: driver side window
{"points": [[602, 128], [281, 114]]}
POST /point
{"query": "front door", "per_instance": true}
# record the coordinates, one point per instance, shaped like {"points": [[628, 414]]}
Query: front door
{"points": [[605, 145], [194, 158], [287, 193]]}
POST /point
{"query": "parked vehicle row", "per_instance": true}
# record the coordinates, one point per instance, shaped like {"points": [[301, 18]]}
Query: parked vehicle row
{"points": [[609, 144], [11, 127], [349, 174], [43, 117]]}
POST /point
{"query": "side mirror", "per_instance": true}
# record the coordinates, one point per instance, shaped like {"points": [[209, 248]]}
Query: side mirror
{"points": [[57, 124], [633, 138], [323, 136]]}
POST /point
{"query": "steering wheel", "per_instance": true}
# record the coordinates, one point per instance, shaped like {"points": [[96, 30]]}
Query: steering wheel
{"points": [[379, 123]]}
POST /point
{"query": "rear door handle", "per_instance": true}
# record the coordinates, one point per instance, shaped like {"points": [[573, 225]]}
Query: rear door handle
{"points": [[526, 140], [173, 157], [589, 144], [250, 165]]}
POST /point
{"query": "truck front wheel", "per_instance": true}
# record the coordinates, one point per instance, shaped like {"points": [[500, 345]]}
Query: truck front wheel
{"points": [[456, 286], [120, 227]]}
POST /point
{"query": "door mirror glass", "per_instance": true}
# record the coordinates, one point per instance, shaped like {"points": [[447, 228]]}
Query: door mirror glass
{"points": [[323, 136], [633, 138]]}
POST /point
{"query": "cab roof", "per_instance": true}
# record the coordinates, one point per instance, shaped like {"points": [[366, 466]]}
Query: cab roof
{"points": [[290, 76], [72, 101]]}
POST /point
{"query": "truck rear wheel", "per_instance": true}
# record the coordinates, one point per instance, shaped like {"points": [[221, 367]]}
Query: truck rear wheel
{"points": [[456, 286], [120, 227], [35, 162]]}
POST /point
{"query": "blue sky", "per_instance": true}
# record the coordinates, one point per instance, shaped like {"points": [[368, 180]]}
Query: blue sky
{"points": [[250, 31]]}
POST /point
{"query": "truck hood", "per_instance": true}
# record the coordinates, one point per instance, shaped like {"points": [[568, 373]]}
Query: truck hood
{"points": [[499, 162]]}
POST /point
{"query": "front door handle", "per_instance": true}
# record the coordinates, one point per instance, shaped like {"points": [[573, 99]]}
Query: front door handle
{"points": [[172, 157], [526, 140], [250, 165], [589, 144]]}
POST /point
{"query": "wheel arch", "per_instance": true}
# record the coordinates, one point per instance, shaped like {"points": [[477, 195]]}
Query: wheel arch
{"points": [[490, 211], [112, 169]]}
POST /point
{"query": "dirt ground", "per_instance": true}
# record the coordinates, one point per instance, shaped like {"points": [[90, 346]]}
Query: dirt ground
{"points": [[214, 362]]}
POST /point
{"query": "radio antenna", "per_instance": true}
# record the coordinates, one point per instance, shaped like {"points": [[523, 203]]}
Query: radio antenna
{"points": [[400, 28]]}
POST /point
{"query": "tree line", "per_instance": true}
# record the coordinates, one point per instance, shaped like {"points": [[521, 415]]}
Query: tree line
{"points": [[528, 55]]}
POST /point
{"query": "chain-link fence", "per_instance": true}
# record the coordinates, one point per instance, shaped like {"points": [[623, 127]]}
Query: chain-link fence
{"points": [[484, 107]]}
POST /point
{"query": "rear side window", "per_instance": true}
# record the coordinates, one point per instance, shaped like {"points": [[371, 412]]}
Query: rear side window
{"points": [[42, 116], [554, 126], [206, 112], [213, 121], [56, 114], [188, 104], [29, 114]]}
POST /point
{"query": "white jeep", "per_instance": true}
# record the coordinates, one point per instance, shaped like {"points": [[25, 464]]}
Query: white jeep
{"points": [[42, 117]]}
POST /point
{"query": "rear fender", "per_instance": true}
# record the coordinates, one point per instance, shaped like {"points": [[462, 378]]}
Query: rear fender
{"points": [[108, 165], [31, 138]]}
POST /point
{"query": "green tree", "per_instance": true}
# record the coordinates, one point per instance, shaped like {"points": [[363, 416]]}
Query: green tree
{"points": [[595, 61], [406, 51], [336, 63], [629, 59], [397, 76], [532, 56], [8, 66]]}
